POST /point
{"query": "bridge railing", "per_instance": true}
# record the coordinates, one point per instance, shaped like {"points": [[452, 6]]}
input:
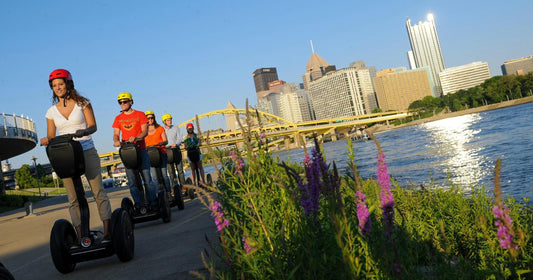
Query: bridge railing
{"points": [[17, 126]]}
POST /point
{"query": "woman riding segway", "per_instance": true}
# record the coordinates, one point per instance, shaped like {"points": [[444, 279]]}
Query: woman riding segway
{"points": [[71, 155], [72, 113], [194, 155]]}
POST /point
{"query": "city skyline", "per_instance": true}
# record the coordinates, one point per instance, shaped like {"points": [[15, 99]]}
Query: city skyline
{"points": [[163, 52]]}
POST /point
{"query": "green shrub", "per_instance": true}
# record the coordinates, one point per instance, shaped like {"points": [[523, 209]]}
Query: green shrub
{"points": [[301, 221]]}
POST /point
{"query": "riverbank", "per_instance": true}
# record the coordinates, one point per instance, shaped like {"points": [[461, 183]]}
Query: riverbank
{"points": [[440, 116]]}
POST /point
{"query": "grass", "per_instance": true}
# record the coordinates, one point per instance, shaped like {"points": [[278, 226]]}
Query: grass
{"points": [[15, 199], [306, 221]]}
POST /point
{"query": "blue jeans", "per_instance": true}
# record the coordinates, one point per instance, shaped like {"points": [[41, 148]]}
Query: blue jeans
{"points": [[149, 185], [153, 171]]}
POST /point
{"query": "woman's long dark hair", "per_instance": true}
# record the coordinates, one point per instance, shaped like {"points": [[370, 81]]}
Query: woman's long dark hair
{"points": [[156, 125], [72, 93]]}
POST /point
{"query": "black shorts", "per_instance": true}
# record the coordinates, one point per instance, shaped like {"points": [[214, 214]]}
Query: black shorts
{"points": [[193, 155]]}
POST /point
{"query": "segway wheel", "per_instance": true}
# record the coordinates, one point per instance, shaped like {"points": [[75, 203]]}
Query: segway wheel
{"points": [[127, 205], [5, 274], [190, 193], [209, 180], [178, 198], [63, 236], [164, 207], [123, 238]]}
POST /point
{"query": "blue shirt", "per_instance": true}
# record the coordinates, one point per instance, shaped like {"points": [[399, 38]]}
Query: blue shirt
{"points": [[173, 135]]}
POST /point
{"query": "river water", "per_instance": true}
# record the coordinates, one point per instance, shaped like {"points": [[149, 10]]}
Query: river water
{"points": [[461, 149]]}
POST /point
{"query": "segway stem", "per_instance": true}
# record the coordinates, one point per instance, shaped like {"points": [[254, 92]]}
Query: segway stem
{"points": [[83, 205]]}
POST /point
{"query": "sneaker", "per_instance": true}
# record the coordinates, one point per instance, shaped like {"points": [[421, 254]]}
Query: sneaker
{"points": [[106, 240]]}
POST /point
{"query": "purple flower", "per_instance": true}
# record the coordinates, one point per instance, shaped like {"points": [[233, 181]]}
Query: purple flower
{"points": [[387, 201], [363, 215], [247, 247], [310, 192], [219, 215], [504, 222], [238, 163]]}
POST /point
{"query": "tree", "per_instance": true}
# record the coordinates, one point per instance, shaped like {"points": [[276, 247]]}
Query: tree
{"points": [[24, 177]]}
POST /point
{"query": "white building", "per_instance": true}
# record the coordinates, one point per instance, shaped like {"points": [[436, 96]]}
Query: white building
{"points": [[464, 77], [270, 103], [294, 103], [342, 93], [426, 49]]}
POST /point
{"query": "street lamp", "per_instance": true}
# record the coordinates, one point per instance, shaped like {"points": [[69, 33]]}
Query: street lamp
{"points": [[37, 173]]}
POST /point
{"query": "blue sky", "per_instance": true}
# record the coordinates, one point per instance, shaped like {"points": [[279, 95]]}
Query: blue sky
{"points": [[192, 57]]}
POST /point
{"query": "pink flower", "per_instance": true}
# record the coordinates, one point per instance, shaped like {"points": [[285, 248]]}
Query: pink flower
{"points": [[387, 200], [247, 247], [220, 222], [363, 215], [503, 222]]}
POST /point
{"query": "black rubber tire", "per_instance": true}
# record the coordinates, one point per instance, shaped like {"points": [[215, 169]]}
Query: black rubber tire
{"points": [[127, 205], [123, 237], [63, 236], [209, 180], [5, 274], [164, 207], [178, 198], [190, 193]]}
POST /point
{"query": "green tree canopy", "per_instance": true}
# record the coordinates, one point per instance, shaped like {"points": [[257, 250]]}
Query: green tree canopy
{"points": [[24, 177]]}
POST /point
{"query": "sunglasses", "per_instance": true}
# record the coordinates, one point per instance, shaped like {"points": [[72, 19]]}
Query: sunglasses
{"points": [[123, 102], [150, 118]]}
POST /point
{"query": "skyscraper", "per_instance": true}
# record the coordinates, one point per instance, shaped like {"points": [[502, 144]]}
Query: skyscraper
{"points": [[426, 49], [262, 77], [316, 67], [340, 93]]}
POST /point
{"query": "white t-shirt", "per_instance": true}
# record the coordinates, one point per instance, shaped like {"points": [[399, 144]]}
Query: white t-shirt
{"points": [[76, 120]]}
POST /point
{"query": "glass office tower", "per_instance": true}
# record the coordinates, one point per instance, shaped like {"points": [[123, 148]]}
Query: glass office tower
{"points": [[426, 49]]}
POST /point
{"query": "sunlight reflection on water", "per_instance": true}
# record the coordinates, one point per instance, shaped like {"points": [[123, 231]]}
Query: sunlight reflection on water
{"points": [[462, 150], [450, 140]]}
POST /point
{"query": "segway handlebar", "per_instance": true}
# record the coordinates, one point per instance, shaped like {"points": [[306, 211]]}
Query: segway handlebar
{"points": [[123, 142], [61, 138]]}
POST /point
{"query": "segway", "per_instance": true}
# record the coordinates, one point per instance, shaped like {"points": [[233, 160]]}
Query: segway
{"points": [[5, 274], [173, 159], [130, 154], [194, 155], [66, 158], [156, 160]]}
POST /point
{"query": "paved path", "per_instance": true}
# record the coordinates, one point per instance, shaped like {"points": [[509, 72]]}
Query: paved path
{"points": [[162, 251]]}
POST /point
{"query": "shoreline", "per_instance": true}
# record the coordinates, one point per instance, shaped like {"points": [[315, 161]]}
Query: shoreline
{"points": [[382, 128]]}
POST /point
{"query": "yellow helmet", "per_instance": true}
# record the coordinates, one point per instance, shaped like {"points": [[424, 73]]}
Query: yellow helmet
{"points": [[149, 113], [124, 95], [165, 117]]}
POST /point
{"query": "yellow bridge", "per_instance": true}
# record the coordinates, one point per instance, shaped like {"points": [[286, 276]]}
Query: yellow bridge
{"points": [[277, 130]]}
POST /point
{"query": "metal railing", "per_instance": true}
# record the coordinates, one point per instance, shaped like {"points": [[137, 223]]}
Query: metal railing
{"points": [[17, 126]]}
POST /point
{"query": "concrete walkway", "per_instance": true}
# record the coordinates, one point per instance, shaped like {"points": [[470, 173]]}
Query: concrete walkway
{"points": [[162, 251]]}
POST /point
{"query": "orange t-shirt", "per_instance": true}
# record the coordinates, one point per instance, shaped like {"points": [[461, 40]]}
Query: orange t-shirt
{"points": [[156, 138], [130, 125]]}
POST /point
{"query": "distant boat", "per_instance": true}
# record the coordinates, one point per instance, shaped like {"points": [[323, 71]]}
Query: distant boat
{"points": [[360, 138]]}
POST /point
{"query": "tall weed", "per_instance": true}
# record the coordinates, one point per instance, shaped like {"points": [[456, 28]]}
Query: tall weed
{"points": [[284, 220]]}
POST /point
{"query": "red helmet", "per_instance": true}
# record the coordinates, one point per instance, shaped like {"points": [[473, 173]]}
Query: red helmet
{"points": [[189, 125], [60, 73]]}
